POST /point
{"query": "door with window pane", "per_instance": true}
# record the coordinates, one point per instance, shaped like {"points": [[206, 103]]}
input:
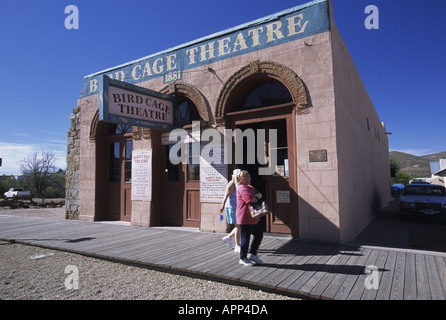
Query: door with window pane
{"points": [[181, 185], [277, 188], [126, 177], [192, 207], [267, 104], [279, 191], [120, 146], [181, 190]]}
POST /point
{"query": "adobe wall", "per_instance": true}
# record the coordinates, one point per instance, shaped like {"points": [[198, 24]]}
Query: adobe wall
{"points": [[362, 144]]}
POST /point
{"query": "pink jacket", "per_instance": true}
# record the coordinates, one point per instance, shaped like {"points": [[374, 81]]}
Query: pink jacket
{"points": [[244, 195]]}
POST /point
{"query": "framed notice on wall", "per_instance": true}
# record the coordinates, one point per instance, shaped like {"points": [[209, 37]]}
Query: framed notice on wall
{"points": [[213, 174], [142, 175]]}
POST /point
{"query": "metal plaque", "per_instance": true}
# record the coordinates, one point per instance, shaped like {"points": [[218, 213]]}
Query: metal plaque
{"points": [[318, 155]]}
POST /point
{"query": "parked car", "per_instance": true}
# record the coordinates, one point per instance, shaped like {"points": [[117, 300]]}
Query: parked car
{"points": [[17, 193], [423, 199]]}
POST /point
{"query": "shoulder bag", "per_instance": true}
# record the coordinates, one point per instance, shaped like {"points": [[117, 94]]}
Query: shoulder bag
{"points": [[259, 209]]}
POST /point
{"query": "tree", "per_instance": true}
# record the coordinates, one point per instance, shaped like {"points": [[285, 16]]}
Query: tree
{"points": [[401, 178], [36, 171], [397, 175], [7, 182]]}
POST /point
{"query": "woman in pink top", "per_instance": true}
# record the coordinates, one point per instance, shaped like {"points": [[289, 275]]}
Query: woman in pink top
{"points": [[246, 194]]}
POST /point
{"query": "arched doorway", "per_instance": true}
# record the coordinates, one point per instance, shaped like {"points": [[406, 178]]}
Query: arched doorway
{"points": [[268, 96], [177, 200], [268, 106], [114, 145]]}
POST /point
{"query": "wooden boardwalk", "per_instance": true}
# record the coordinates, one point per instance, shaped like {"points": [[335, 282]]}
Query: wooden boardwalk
{"points": [[293, 267]]}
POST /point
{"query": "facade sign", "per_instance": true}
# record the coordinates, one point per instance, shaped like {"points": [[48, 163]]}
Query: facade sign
{"points": [[121, 102], [142, 175], [289, 25]]}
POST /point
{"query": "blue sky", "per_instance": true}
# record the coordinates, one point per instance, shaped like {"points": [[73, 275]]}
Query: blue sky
{"points": [[42, 64]]}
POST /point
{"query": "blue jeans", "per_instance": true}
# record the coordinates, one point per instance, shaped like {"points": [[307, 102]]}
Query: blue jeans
{"points": [[246, 230]]}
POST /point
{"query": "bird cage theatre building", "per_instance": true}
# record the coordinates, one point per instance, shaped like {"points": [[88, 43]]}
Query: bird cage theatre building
{"points": [[154, 141]]}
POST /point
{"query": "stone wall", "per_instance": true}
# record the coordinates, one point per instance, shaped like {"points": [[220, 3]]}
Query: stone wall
{"points": [[73, 166]]}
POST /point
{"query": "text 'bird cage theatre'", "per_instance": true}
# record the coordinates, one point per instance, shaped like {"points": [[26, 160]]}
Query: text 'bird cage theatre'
{"points": [[155, 141]]}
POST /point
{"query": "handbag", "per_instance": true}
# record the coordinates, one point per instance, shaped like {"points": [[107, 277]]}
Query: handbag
{"points": [[259, 209]]}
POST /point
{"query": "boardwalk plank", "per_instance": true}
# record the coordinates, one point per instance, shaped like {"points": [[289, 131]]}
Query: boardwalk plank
{"points": [[410, 278], [342, 271], [328, 257], [359, 287], [296, 268], [353, 276], [370, 294], [330, 272], [423, 290], [385, 282], [279, 272], [206, 252], [441, 267], [309, 269], [397, 291], [311, 286], [436, 288], [286, 267], [293, 268]]}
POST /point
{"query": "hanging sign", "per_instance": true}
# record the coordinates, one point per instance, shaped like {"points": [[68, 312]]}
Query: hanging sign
{"points": [[124, 103]]}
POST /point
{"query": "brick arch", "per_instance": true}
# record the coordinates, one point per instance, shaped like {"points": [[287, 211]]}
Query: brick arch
{"points": [[94, 126], [192, 93], [98, 128], [262, 68]]}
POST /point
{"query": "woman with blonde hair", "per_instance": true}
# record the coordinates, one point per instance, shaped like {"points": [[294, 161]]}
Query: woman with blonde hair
{"points": [[246, 194], [230, 205]]}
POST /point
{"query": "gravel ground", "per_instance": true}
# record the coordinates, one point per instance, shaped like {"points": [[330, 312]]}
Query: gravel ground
{"points": [[34, 273]]}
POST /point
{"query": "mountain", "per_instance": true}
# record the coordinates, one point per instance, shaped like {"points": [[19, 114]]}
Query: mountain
{"points": [[416, 166]]}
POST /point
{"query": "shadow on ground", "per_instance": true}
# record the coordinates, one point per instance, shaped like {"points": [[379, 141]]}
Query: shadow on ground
{"points": [[390, 229]]}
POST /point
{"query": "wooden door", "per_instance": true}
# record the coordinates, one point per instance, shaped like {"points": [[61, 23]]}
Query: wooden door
{"points": [[118, 203], [126, 180], [191, 171], [280, 188], [173, 191], [181, 191]]}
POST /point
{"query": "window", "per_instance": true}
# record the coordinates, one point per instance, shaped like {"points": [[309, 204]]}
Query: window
{"points": [[267, 94], [282, 168], [128, 160], [117, 129], [171, 171], [187, 112], [120, 153], [193, 163], [114, 162]]}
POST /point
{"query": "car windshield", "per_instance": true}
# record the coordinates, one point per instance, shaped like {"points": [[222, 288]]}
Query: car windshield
{"points": [[425, 190]]}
